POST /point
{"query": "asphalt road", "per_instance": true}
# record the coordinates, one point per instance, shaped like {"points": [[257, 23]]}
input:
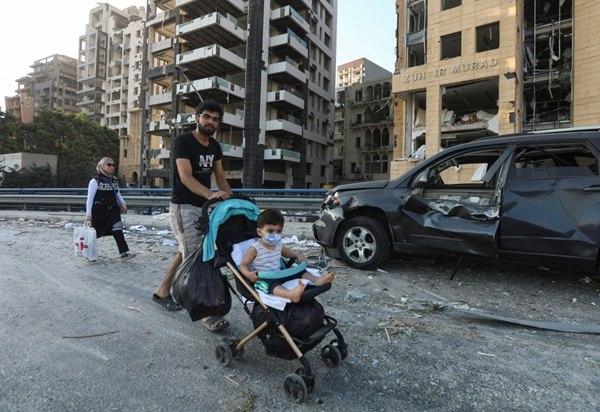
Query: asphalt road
{"points": [[408, 350]]}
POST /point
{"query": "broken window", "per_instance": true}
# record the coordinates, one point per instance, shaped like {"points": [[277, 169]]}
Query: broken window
{"points": [[450, 45], [358, 96], [357, 143], [537, 162], [416, 16], [416, 55], [465, 179], [488, 37], [469, 111], [547, 67], [416, 32], [450, 4]]}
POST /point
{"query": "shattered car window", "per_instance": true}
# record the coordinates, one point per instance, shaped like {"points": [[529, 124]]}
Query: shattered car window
{"points": [[537, 162]]}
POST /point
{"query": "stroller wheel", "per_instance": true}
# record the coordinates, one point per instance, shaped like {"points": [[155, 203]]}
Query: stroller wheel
{"points": [[308, 380], [295, 388], [343, 349], [331, 356], [223, 353]]}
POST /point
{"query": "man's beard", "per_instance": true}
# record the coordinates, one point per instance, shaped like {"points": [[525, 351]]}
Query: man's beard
{"points": [[207, 130]]}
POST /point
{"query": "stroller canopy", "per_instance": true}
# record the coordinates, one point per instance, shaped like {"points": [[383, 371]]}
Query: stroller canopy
{"points": [[219, 215]]}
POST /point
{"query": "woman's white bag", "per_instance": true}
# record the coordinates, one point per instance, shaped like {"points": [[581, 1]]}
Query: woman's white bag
{"points": [[85, 243]]}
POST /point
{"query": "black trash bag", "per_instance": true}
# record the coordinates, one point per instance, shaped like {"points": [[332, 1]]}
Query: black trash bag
{"points": [[301, 320], [201, 288]]}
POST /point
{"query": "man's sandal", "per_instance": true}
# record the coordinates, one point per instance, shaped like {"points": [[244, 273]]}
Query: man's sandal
{"points": [[167, 303], [215, 323]]}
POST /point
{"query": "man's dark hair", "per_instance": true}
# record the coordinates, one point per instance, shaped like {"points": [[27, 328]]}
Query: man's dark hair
{"points": [[210, 105], [269, 217]]}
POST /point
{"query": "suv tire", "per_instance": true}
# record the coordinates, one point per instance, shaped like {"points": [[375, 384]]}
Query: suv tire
{"points": [[363, 242]]}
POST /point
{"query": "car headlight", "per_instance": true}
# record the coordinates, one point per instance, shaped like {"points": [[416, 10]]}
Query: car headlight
{"points": [[332, 200]]}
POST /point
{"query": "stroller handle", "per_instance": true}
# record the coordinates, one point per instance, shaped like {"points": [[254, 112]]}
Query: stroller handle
{"points": [[211, 202]]}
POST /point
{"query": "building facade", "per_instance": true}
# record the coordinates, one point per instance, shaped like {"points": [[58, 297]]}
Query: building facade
{"points": [[359, 71], [507, 66], [109, 77], [276, 83], [52, 85], [364, 131]]}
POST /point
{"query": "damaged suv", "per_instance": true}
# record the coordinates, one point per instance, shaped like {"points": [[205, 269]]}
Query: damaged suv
{"points": [[532, 197]]}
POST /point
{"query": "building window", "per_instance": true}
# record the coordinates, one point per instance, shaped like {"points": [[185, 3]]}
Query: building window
{"points": [[357, 143], [124, 152], [450, 4], [323, 170], [416, 55], [450, 45], [359, 118], [358, 96], [488, 37]]}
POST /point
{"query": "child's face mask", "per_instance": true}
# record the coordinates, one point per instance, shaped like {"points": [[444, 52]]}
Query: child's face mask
{"points": [[272, 238]]}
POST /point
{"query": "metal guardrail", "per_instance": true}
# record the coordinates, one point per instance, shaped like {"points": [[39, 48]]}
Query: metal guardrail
{"points": [[302, 199]]}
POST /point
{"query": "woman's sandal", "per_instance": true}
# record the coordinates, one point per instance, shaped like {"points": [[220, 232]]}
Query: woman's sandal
{"points": [[215, 323]]}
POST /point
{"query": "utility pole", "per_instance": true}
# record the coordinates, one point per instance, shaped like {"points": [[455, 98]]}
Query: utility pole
{"points": [[255, 66], [143, 101]]}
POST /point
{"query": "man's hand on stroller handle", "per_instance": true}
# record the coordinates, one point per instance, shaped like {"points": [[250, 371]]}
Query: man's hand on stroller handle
{"points": [[220, 194]]}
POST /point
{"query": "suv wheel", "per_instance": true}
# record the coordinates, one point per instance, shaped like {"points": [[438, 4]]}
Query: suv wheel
{"points": [[363, 243]]}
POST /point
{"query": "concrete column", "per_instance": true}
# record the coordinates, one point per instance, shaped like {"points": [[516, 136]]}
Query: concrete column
{"points": [[586, 76], [434, 120], [508, 121]]}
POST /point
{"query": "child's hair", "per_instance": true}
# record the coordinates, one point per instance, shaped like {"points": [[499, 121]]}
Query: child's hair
{"points": [[269, 217]]}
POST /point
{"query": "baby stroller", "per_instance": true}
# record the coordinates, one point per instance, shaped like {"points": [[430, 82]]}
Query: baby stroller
{"points": [[286, 334]]}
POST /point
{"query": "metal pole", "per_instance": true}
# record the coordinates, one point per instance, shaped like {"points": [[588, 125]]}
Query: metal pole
{"points": [[143, 100], [253, 149]]}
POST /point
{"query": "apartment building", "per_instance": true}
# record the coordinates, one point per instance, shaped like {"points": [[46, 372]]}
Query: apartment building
{"points": [[109, 77], [52, 85], [364, 131], [275, 78], [468, 69], [359, 71]]}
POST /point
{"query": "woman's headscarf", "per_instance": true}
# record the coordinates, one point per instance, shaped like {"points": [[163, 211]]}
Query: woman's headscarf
{"points": [[101, 167]]}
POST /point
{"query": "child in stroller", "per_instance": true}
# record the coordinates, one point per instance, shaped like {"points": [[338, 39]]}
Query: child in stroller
{"points": [[288, 331], [261, 265]]}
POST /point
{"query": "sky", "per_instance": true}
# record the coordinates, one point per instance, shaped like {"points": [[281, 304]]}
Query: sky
{"points": [[34, 29]]}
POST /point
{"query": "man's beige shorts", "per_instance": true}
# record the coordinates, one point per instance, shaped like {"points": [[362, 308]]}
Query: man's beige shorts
{"points": [[183, 224]]}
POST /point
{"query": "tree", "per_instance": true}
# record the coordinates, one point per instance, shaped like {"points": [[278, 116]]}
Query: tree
{"points": [[77, 141]]}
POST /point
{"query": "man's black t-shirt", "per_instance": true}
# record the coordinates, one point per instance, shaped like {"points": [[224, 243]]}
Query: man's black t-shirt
{"points": [[202, 159]]}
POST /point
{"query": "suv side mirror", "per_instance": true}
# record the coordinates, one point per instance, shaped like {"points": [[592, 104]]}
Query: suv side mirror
{"points": [[421, 180]]}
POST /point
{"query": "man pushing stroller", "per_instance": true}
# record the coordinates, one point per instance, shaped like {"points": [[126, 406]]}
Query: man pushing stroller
{"points": [[265, 254]]}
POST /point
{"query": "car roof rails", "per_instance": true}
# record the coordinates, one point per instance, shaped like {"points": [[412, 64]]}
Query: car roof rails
{"points": [[568, 129]]}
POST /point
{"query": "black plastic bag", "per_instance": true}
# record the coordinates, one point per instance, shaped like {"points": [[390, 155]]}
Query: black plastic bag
{"points": [[201, 288], [301, 320]]}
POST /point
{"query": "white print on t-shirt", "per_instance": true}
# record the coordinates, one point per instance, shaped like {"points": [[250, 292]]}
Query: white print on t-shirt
{"points": [[108, 186], [206, 162]]}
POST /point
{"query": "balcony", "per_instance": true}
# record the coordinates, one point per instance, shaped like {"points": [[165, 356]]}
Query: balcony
{"points": [[164, 23], [213, 28], [163, 50], [230, 150], [229, 120], [283, 128], [160, 128], [287, 17], [285, 100], [159, 154], [159, 99], [212, 87], [158, 173], [211, 60], [196, 8], [286, 72], [161, 75], [282, 154], [289, 44], [297, 4]]}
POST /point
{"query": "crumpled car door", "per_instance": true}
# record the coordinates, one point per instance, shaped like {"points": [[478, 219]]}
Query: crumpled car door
{"points": [[457, 226]]}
